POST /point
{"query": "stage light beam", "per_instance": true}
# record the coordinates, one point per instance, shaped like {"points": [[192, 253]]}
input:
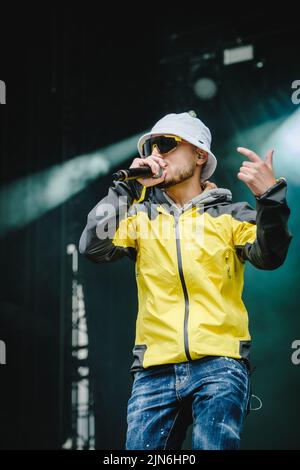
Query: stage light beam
{"points": [[29, 198]]}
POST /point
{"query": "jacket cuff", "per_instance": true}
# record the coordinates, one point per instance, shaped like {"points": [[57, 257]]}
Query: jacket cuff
{"points": [[276, 193], [132, 187]]}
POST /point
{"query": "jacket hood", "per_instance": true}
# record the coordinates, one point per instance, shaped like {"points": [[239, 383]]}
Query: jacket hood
{"points": [[206, 198], [213, 195]]}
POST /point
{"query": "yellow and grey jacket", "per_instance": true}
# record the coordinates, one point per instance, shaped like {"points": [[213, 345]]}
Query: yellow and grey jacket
{"points": [[189, 265]]}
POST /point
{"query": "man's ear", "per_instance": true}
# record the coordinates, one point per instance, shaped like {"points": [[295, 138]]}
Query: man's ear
{"points": [[202, 156]]}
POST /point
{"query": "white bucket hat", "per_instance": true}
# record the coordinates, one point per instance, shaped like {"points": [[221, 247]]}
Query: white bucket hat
{"points": [[190, 128]]}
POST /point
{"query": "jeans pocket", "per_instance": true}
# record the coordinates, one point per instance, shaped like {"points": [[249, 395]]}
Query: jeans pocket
{"points": [[240, 363]]}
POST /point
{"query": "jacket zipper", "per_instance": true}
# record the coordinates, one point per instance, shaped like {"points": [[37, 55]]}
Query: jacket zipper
{"points": [[185, 293], [227, 265]]}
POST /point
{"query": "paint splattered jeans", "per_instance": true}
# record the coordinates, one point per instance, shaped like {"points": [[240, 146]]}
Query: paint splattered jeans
{"points": [[212, 393]]}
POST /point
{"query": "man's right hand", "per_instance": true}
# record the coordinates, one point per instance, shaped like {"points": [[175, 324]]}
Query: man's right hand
{"points": [[154, 162]]}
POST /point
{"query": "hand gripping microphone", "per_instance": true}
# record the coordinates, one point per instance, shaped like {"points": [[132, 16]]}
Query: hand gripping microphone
{"points": [[135, 173]]}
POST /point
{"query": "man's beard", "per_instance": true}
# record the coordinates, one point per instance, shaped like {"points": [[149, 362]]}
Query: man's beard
{"points": [[183, 175]]}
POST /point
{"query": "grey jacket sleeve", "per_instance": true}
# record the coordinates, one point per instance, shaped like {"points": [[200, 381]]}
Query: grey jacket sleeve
{"points": [[97, 241], [262, 236]]}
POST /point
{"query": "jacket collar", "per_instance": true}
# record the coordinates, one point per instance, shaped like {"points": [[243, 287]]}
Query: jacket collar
{"points": [[207, 198]]}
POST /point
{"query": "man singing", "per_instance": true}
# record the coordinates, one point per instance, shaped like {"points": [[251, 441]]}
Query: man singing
{"points": [[190, 243]]}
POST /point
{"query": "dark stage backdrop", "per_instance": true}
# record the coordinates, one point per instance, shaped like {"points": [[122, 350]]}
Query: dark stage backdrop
{"points": [[76, 82]]}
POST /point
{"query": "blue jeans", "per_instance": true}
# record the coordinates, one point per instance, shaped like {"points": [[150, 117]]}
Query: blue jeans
{"points": [[212, 393]]}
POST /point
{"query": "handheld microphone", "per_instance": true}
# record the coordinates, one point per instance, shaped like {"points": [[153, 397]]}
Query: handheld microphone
{"points": [[135, 173]]}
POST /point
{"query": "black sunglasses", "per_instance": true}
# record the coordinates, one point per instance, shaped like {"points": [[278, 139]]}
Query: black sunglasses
{"points": [[164, 143]]}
